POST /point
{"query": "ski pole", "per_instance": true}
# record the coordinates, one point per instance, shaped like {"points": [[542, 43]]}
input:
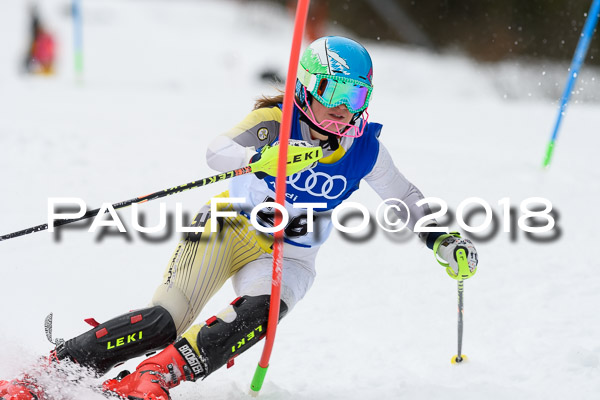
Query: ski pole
{"points": [[298, 158], [461, 257], [459, 357]]}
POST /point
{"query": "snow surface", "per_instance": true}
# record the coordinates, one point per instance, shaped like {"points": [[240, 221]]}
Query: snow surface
{"points": [[162, 78]]}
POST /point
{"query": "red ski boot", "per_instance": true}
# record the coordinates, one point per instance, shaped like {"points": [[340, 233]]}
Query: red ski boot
{"points": [[21, 389], [156, 375]]}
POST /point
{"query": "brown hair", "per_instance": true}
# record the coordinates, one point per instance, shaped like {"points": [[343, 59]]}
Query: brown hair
{"points": [[268, 101]]}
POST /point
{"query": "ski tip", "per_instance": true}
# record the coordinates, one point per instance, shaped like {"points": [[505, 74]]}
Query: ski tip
{"points": [[459, 360]]}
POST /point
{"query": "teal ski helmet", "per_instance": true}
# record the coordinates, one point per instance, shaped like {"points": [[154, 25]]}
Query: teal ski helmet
{"points": [[335, 70]]}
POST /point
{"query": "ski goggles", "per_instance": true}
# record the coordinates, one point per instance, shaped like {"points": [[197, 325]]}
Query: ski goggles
{"points": [[332, 91]]}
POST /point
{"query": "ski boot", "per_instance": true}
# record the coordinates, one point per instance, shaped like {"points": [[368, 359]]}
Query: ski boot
{"points": [[115, 341], [21, 389], [217, 342], [156, 375]]}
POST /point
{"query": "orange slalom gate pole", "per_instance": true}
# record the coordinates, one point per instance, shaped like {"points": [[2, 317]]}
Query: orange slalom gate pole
{"points": [[280, 188]]}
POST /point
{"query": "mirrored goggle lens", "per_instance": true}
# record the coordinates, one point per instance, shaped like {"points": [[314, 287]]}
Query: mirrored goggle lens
{"points": [[333, 93]]}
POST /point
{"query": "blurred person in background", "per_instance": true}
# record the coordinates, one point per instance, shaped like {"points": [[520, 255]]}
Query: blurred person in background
{"points": [[41, 53]]}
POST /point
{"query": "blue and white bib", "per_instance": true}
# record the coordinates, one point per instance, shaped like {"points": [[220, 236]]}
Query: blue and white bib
{"points": [[330, 184]]}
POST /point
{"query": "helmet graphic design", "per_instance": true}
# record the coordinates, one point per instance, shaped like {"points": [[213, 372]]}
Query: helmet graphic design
{"points": [[338, 56]]}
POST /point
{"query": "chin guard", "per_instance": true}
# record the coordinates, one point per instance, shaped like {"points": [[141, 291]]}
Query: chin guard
{"points": [[332, 137]]}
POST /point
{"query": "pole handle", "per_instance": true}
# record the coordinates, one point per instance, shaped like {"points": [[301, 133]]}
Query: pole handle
{"points": [[463, 263]]}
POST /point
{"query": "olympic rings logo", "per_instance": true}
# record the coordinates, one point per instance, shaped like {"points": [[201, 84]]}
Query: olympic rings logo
{"points": [[325, 187]]}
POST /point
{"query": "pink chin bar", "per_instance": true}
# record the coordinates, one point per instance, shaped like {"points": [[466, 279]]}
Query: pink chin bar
{"points": [[347, 129]]}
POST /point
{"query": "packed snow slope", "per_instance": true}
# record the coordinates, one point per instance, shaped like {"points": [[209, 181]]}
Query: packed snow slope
{"points": [[163, 78]]}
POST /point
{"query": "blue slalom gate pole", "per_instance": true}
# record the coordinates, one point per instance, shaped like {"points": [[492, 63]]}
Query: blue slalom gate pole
{"points": [[576, 63], [77, 37]]}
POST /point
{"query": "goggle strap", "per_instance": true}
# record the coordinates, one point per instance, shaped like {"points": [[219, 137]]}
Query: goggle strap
{"points": [[306, 78]]}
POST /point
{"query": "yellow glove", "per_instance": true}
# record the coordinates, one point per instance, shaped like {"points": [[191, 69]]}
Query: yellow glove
{"points": [[301, 155]]}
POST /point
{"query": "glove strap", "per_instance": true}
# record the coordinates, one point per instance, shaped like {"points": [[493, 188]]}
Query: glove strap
{"points": [[439, 241]]}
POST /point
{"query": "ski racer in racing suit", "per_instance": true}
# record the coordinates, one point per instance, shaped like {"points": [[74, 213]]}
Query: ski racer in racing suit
{"points": [[332, 93]]}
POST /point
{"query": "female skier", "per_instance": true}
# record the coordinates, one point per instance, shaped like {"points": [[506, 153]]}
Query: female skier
{"points": [[333, 89]]}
